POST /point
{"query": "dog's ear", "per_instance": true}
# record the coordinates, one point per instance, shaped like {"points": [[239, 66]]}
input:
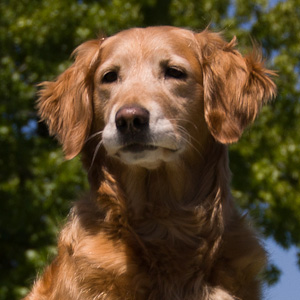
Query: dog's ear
{"points": [[66, 104], [235, 87]]}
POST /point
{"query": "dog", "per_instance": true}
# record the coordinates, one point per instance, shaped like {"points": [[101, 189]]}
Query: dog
{"points": [[152, 111]]}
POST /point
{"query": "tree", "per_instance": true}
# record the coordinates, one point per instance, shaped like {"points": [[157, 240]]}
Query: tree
{"points": [[37, 185]]}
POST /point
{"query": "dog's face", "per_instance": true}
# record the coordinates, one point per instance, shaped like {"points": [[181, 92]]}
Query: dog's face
{"points": [[150, 90], [155, 94]]}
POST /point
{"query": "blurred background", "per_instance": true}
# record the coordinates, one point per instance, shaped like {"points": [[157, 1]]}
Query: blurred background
{"points": [[37, 186]]}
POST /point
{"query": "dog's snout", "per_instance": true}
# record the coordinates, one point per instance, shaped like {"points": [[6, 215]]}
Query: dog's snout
{"points": [[132, 119]]}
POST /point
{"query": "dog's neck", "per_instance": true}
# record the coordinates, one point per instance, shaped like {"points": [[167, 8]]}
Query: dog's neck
{"points": [[178, 206], [192, 181]]}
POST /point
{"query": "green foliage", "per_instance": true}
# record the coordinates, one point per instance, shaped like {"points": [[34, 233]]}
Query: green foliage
{"points": [[271, 150], [37, 186]]}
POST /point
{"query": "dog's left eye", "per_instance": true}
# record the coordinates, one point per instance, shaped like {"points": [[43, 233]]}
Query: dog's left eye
{"points": [[172, 72], [110, 77]]}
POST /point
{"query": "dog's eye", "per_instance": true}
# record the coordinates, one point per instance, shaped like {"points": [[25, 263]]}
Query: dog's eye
{"points": [[172, 72], [110, 77]]}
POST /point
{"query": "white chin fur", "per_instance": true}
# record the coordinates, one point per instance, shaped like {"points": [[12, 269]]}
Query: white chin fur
{"points": [[147, 159]]}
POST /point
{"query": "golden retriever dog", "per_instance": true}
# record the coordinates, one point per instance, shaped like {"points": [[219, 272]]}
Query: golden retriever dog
{"points": [[152, 111]]}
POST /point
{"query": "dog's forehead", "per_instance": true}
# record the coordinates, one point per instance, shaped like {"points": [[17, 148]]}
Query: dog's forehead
{"points": [[146, 42]]}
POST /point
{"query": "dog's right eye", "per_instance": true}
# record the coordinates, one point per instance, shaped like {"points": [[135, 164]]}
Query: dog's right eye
{"points": [[174, 72], [110, 77]]}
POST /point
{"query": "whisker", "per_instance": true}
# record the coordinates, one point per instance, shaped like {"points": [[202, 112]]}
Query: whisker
{"points": [[93, 135], [185, 120], [188, 139], [95, 154], [184, 130]]}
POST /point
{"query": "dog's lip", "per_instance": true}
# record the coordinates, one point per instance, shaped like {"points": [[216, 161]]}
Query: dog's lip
{"points": [[140, 147], [137, 147]]}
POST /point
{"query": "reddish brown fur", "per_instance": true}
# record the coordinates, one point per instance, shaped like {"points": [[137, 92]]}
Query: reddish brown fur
{"points": [[169, 232]]}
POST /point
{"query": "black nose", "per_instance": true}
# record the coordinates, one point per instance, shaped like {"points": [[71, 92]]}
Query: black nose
{"points": [[132, 119]]}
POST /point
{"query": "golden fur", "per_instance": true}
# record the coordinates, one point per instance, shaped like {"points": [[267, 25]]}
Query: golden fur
{"points": [[159, 221]]}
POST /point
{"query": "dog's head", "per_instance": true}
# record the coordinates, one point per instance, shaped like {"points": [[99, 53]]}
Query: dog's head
{"points": [[149, 95]]}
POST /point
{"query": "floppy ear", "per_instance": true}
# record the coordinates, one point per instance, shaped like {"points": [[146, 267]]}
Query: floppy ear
{"points": [[66, 104], [235, 87]]}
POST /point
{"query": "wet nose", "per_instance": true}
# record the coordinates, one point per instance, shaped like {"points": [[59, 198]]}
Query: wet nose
{"points": [[132, 119]]}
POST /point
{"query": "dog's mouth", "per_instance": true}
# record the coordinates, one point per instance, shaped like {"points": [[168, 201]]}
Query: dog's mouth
{"points": [[136, 148], [145, 155]]}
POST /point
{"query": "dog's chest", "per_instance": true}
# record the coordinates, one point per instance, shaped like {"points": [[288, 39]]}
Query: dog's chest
{"points": [[154, 261]]}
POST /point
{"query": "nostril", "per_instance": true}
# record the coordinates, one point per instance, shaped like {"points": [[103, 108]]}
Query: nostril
{"points": [[133, 118], [121, 124], [138, 122]]}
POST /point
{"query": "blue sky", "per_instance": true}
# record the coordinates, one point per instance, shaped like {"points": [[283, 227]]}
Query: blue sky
{"points": [[288, 288]]}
